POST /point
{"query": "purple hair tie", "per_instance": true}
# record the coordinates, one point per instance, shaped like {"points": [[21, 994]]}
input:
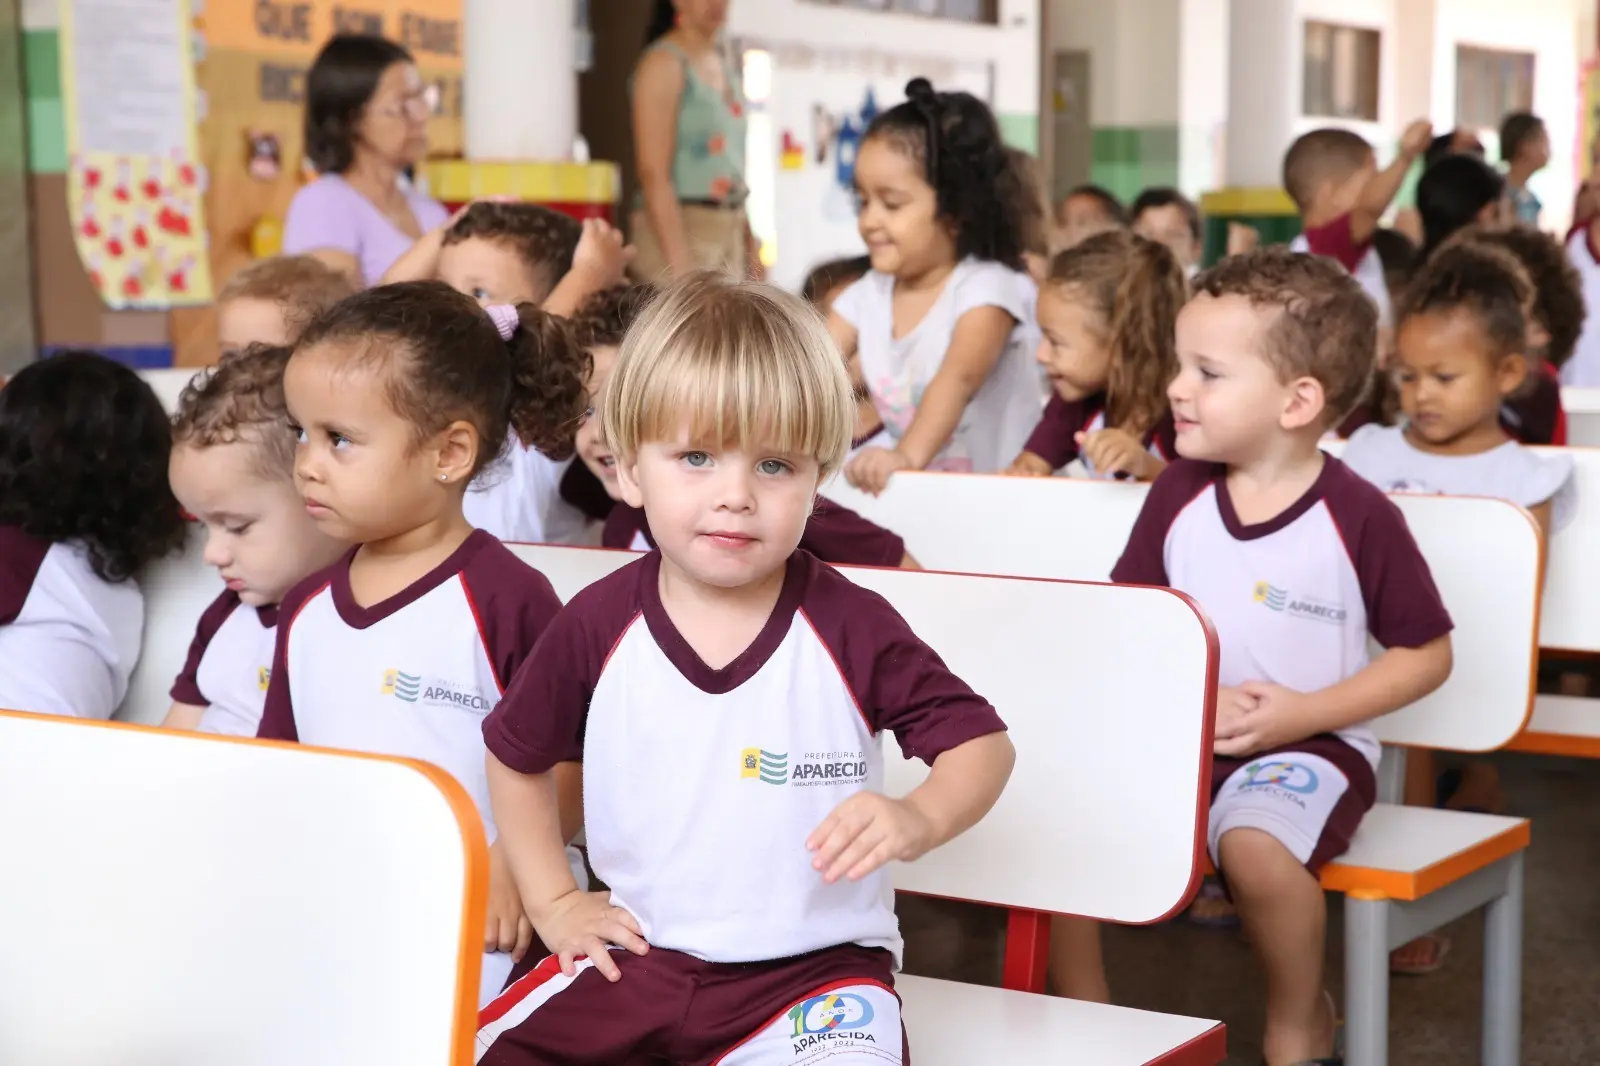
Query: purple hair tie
{"points": [[505, 319]]}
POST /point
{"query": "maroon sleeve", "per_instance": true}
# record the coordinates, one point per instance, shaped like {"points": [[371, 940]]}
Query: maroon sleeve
{"points": [[277, 715], [837, 534], [21, 556], [899, 682], [1164, 435], [1536, 416], [540, 720], [1053, 438], [1361, 416], [620, 526], [1404, 609], [584, 491], [186, 689], [1335, 241], [1144, 558], [513, 604]]}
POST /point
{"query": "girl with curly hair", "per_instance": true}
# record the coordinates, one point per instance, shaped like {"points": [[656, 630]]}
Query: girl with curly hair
{"points": [[233, 469], [84, 507], [941, 331], [399, 396]]}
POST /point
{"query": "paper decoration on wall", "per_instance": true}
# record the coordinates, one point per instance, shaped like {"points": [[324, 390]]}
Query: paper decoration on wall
{"points": [[791, 153], [266, 155], [134, 184]]}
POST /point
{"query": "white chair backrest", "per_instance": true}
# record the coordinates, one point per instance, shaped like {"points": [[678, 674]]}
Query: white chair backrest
{"points": [[1112, 755], [1571, 617], [176, 592], [1076, 529], [185, 901], [1583, 416], [168, 383]]}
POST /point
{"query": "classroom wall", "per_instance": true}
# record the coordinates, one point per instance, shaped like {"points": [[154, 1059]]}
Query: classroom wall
{"points": [[1012, 46], [1160, 69]]}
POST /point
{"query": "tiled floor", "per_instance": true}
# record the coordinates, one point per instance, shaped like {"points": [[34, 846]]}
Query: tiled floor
{"points": [[1183, 969]]}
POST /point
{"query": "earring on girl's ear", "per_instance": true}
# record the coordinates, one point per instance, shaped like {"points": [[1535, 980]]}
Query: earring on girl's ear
{"points": [[444, 477]]}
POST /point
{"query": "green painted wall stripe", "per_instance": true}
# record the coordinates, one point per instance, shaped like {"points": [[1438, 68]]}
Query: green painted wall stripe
{"points": [[1020, 130], [47, 137], [41, 78], [41, 64]]}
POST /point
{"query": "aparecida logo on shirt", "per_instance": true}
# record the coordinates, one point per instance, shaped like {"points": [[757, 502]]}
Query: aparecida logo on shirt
{"points": [[833, 1021], [811, 768], [1299, 606], [433, 692], [263, 677]]}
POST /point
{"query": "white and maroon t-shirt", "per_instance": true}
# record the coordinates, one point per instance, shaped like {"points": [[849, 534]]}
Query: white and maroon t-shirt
{"points": [[1383, 456], [229, 665], [1335, 241], [1294, 598], [1583, 368], [416, 674], [68, 638], [517, 498], [700, 786], [1055, 438]]}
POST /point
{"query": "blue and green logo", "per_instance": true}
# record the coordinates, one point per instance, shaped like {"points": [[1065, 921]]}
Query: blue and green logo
{"points": [[402, 685], [1275, 598]]}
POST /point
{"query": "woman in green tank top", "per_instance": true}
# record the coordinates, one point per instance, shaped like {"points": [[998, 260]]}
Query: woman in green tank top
{"points": [[689, 134]]}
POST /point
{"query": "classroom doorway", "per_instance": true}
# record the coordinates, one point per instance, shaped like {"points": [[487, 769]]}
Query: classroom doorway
{"points": [[618, 28]]}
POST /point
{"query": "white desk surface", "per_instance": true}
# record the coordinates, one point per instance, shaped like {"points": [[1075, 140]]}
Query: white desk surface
{"points": [[951, 1024]]}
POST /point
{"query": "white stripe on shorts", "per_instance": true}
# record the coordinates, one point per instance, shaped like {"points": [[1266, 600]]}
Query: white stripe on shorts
{"points": [[532, 1000]]}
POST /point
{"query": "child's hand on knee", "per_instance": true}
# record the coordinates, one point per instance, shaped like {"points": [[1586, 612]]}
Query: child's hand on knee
{"points": [[866, 831], [507, 929], [583, 924]]}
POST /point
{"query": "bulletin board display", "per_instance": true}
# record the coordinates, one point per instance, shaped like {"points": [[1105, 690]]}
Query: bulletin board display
{"points": [[251, 58], [133, 184], [809, 107]]}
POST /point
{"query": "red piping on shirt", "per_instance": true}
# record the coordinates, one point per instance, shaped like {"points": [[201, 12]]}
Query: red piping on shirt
{"points": [[483, 635], [843, 680], [292, 618]]}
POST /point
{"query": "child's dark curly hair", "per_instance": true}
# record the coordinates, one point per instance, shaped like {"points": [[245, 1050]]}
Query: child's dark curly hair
{"points": [[544, 238], [1484, 281], [1557, 288], [957, 140], [84, 445], [445, 361], [603, 319]]}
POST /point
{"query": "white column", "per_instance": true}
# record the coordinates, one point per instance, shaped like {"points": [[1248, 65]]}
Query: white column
{"points": [[1265, 40], [1415, 44], [520, 91]]}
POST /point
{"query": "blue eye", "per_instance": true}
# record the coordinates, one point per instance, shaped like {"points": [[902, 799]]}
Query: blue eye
{"points": [[773, 467], [697, 459], [482, 295]]}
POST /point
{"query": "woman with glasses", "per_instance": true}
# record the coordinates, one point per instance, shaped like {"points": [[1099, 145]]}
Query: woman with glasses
{"points": [[688, 135], [366, 115]]}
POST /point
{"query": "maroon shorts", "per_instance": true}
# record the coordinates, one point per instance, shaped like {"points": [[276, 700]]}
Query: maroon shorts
{"points": [[835, 1007], [1309, 795]]}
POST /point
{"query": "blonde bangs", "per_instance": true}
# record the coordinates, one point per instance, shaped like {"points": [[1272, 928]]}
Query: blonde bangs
{"points": [[732, 364]]}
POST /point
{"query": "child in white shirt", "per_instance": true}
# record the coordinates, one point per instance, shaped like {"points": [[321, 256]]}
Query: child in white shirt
{"points": [[232, 468], [943, 325], [84, 507], [699, 684], [399, 396]]}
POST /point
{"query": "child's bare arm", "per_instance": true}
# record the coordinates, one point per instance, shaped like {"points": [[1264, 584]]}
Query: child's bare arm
{"points": [[1384, 186], [870, 829], [979, 338], [527, 812], [845, 336], [600, 261], [1398, 677], [183, 716]]}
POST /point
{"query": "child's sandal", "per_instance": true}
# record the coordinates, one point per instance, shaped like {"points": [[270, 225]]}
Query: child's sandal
{"points": [[1426, 956]]}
